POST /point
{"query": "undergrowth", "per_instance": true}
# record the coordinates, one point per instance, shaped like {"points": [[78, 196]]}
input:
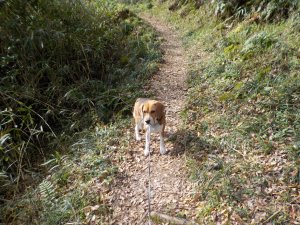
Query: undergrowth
{"points": [[64, 65], [74, 191], [242, 118], [67, 68]]}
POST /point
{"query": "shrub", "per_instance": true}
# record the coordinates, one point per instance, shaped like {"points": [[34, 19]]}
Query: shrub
{"points": [[269, 10], [64, 65], [266, 10]]}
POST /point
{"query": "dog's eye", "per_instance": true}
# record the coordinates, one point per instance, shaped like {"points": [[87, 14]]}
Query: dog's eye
{"points": [[153, 111]]}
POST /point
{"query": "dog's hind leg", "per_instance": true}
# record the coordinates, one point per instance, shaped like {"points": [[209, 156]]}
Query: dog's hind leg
{"points": [[162, 144], [162, 148]]}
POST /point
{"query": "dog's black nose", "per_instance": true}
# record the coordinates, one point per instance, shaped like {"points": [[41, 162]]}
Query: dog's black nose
{"points": [[147, 121]]}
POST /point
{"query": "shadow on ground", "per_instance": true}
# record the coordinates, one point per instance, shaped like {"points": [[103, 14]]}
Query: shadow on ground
{"points": [[188, 142]]}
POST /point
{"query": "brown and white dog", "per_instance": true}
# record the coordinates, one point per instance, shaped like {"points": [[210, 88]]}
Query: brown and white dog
{"points": [[151, 115]]}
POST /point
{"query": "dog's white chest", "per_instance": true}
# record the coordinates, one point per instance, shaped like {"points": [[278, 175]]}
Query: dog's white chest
{"points": [[155, 128]]}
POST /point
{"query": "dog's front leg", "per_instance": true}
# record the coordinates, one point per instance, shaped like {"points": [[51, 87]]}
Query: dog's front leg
{"points": [[147, 145], [162, 148], [137, 132]]}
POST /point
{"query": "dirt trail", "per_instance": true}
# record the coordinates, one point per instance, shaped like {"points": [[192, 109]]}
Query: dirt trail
{"points": [[170, 188]]}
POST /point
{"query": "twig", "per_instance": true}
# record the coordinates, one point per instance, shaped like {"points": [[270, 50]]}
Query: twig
{"points": [[163, 218], [179, 192], [271, 217]]}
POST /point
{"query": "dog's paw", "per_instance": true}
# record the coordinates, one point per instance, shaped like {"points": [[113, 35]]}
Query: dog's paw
{"points": [[146, 152], [162, 151], [138, 138]]}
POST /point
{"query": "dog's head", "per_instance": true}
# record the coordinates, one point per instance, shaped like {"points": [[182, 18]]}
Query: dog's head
{"points": [[153, 112]]}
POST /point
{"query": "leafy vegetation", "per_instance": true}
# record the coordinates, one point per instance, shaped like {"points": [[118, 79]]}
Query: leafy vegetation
{"points": [[242, 121], [75, 189], [266, 10], [66, 66], [61, 67]]}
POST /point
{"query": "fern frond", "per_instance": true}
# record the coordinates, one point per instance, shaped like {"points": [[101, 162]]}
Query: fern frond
{"points": [[47, 192]]}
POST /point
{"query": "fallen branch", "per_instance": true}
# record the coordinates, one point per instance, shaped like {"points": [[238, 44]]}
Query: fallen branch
{"points": [[163, 218]]}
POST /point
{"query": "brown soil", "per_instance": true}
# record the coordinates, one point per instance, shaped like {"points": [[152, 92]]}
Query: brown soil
{"points": [[171, 189]]}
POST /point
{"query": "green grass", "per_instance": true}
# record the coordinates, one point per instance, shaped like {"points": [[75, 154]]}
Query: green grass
{"points": [[242, 121], [77, 183], [65, 66], [70, 72]]}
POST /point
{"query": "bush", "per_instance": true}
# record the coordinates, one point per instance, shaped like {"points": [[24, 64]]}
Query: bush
{"points": [[64, 65], [268, 10]]}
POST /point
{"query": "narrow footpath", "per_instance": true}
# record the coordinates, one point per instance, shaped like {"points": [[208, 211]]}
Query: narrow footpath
{"points": [[171, 190]]}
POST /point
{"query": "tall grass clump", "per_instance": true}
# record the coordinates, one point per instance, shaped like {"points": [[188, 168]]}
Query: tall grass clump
{"points": [[64, 65], [266, 10], [77, 183]]}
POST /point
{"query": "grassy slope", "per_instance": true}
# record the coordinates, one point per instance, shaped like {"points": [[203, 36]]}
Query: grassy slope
{"points": [[78, 178], [242, 115]]}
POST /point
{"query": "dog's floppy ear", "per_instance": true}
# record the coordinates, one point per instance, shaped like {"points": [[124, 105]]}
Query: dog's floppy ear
{"points": [[142, 110], [160, 111]]}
